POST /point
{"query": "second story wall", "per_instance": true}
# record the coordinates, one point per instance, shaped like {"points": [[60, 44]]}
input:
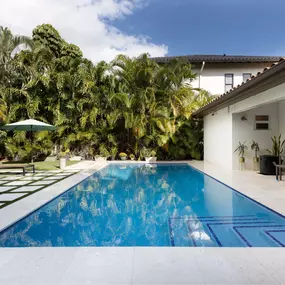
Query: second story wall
{"points": [[213, 78]]}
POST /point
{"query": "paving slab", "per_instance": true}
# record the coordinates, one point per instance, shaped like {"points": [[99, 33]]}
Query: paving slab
{"points": [[34, 266], [10, 197], [9, 178], [32, 178], [6, 188], [53, 177], [17, 183], [104, 265], [26, 189], [43, 182]]}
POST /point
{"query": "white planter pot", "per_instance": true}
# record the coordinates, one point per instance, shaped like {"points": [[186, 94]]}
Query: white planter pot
{"points": [[151, 159], [62, 163], [100, 158]]}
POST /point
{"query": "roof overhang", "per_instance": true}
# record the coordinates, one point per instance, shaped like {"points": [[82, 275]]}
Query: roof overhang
{"points": [[269, 78], [220, 59]]}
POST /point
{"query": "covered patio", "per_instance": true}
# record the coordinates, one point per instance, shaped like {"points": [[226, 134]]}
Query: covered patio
{"points": [[258, 119], [253, 111]]}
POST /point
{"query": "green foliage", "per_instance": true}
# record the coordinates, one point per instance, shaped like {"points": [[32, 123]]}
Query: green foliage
{"points": [[132, 157], [125, 106], [277, 146], [103, 151], [255, 147], [147, 152], [242, 147]]}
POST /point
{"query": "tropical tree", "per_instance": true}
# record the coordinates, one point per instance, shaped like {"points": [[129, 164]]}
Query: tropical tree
{"points": [[130, 104]]}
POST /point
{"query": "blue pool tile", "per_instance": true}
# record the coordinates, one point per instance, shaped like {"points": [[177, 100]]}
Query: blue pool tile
{"points": [[149, 205]]}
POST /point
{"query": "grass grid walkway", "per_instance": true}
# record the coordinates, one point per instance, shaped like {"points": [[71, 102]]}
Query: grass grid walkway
{"points": [[16, 187]]}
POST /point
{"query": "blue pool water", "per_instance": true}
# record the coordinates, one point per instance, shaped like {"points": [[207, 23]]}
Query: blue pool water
{"points": [[149, 205]]}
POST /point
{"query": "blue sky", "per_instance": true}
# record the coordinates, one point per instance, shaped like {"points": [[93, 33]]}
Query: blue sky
{"points": [[253, 27], [105, 28]]}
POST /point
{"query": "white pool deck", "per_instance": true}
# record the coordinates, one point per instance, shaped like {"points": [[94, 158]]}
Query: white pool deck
{"points": [[145, 265]]}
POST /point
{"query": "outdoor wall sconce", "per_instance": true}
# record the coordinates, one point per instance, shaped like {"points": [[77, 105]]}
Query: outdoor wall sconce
{"points": [[243, 118]]}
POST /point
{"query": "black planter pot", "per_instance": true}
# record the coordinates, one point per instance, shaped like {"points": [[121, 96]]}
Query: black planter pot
{"points": [[266, 164]]}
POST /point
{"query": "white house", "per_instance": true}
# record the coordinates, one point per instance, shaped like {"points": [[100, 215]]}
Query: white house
{"points": [[254, 110], [220, 73]]}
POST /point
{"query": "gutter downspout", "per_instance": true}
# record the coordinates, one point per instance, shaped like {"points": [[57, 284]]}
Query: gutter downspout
{"points": [[201, 71]]}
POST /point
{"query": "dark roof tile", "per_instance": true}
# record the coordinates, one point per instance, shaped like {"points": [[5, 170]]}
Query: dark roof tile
{"points": [[220, 58]]}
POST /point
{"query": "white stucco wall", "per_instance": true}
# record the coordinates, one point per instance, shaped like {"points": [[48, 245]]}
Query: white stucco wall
{"points": [[218, 138], [213, 76], [281, 115], [245, 131], [224, 130]]}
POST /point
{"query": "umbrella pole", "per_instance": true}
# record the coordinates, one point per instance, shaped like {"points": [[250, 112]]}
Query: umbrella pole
{"points": [[32, 143]]}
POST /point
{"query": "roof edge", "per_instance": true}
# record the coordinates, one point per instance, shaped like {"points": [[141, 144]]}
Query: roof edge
{"points": [[196, 58], [237, 92]]}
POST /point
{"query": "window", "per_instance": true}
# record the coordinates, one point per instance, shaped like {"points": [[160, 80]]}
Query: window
{"points": [[246, 76], [229, 82], [262, 122]]}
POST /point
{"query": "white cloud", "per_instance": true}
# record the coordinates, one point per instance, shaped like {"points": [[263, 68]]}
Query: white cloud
{"points": [[82, 22]]}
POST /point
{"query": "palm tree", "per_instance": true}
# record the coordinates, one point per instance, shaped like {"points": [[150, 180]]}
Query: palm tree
{"points": [[9, 44]]}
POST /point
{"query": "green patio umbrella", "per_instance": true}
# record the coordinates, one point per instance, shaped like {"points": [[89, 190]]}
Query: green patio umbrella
{"points": [[29, 125]]}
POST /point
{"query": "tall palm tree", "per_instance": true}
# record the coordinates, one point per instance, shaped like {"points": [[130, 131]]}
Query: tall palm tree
{"points": [[9, 44]]}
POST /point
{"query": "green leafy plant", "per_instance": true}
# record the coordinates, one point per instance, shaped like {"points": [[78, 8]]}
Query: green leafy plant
{"points": [[104, 151], [113, 152], [242, 147], [122, 154], [147, 152], [132, 156], [255, 146], [277, 146], [63, 154]]}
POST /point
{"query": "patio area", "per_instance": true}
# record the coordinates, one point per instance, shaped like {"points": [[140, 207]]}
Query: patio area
{"points": [[145, 265]]}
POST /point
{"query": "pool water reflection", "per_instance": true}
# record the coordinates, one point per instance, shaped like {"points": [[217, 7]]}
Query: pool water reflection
{"points": [[149, 205]]}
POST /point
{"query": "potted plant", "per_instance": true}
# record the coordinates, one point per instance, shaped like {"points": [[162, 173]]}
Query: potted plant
{"points": [[277, 146], [123, 155], [150, 155], [255, 147], [63, 159], [113, 152], [242, 147], [132, 157], [104, 154], [266, 161]]}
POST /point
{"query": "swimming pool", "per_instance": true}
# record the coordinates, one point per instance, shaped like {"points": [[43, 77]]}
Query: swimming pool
{"points": [[149, 205]]}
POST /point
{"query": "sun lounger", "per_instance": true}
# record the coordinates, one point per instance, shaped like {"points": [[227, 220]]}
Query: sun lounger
{"points": [[18, 166]]}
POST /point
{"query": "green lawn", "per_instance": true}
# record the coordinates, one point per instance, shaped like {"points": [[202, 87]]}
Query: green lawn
{"points": [[45, 165]]}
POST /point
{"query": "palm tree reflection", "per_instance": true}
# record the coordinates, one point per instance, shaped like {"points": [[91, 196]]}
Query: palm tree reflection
{"points": [[108, 211]]}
